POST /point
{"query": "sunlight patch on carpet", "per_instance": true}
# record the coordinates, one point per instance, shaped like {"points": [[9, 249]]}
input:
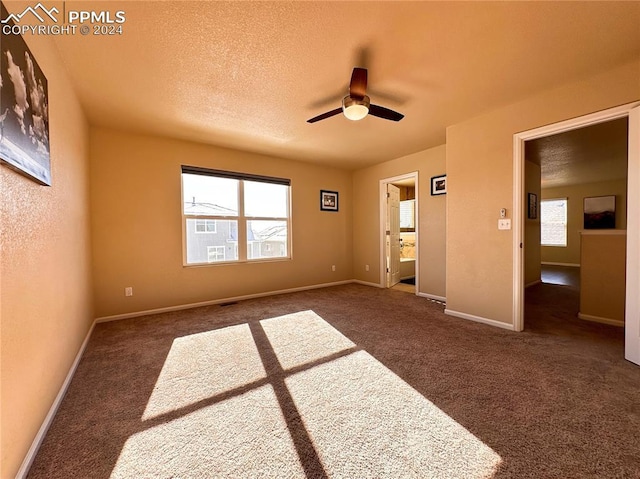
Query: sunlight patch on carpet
{"points": [[244, 436], [302, 338], [362, 417], [286, 396], [203, 365]]}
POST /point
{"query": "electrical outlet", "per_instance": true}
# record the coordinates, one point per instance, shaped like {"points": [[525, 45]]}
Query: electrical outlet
{"points": [[128, 291], [504, 224], [366, 267], [333, 267]]}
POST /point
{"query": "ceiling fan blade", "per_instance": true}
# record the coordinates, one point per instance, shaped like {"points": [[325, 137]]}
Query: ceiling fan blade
{"points": [[328, 114], [358, 85], [382, 112]]}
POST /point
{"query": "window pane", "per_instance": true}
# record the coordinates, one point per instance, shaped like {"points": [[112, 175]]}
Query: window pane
{"points": [[208, 195], [214, 246], [266, 239], [553, 222], [205, 226], [265, 200], [407, 213]]}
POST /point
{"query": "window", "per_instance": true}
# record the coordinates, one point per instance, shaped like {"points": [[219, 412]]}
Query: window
{"points": [[233, 217], [215, 253], [407, 214], [553, 222], [205, 226]]}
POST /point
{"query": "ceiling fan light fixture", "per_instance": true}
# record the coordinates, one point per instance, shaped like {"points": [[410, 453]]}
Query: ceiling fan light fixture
{"points": [[355, 109]]}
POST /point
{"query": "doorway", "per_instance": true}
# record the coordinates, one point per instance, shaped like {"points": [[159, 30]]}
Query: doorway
{"points": [[632, 263], [568, 171], [399, 252]]}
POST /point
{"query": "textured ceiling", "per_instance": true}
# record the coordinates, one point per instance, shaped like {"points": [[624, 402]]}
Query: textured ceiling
{"points": [[248, 75], [586, 155]]}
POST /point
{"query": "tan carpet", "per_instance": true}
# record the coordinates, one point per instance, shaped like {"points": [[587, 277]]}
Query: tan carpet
{"points": [[347, 382]]}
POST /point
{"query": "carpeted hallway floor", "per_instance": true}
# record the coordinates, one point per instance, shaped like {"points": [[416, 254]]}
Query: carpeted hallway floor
{"points": [[350, 382]]}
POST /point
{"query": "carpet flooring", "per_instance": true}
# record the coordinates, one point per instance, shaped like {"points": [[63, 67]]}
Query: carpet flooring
{"points": [[349, 382]]}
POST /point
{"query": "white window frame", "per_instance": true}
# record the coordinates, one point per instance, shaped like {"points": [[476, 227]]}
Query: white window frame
{"points": [[241, 243], [205, 222], [566, 221], [216, 250]]}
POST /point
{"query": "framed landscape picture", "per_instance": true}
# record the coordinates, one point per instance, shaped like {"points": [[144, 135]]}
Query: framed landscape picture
{"points": [[24, 110], [600, 212]]}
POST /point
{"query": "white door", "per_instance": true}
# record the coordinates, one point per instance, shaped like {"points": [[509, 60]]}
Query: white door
{"points": [[632, 307], [393, 235]]}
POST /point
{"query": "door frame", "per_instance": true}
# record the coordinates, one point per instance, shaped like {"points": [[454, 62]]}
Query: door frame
{"points": [[383, 217], [633, 209]]}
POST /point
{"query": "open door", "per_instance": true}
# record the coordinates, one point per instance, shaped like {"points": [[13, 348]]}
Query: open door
{"points": [[632, 306], [393, 235]]}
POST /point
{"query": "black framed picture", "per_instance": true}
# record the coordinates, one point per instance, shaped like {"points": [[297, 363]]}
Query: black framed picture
{"points": [[532, 206], [328, 200], [24, 110], [439, 185]]}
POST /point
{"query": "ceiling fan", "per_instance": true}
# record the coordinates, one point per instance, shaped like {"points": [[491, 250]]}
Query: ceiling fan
{"points": [[356, 105]]}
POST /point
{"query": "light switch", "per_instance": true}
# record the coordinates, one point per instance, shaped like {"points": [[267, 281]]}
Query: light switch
{"points": [[504, 224]]}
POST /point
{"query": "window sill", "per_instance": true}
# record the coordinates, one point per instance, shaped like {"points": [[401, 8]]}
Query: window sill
{"points": [[228, 263]]}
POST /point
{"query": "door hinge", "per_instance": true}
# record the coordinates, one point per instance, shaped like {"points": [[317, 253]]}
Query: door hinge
{"points": [[388, 195]]}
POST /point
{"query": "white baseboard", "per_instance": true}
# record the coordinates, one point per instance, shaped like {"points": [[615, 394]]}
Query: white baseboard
{"points": [[549, 263], [442, 299], [598, 319], [37, 441], [479, 319], [533, 283], [179, 307]]}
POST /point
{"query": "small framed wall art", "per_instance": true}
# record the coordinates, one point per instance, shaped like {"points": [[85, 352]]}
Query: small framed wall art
{"points": [[328, 200], [532, 206], [439, 185]]}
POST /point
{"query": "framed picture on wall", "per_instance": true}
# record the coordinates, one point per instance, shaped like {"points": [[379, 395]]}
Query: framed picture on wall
{"points": [[600, 212], [439, 185], [328, 200], [24, 109], [532, 206]]}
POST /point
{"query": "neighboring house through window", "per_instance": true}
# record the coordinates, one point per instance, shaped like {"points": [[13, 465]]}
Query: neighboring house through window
{"points": [[233, 217], [553, 222]]}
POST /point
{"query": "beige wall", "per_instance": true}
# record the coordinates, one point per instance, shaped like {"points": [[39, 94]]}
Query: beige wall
{"points": [[575, 215], [480, 182], [602, 276], [531, 226], [431, 223], [137, 235], [45, 285]]}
